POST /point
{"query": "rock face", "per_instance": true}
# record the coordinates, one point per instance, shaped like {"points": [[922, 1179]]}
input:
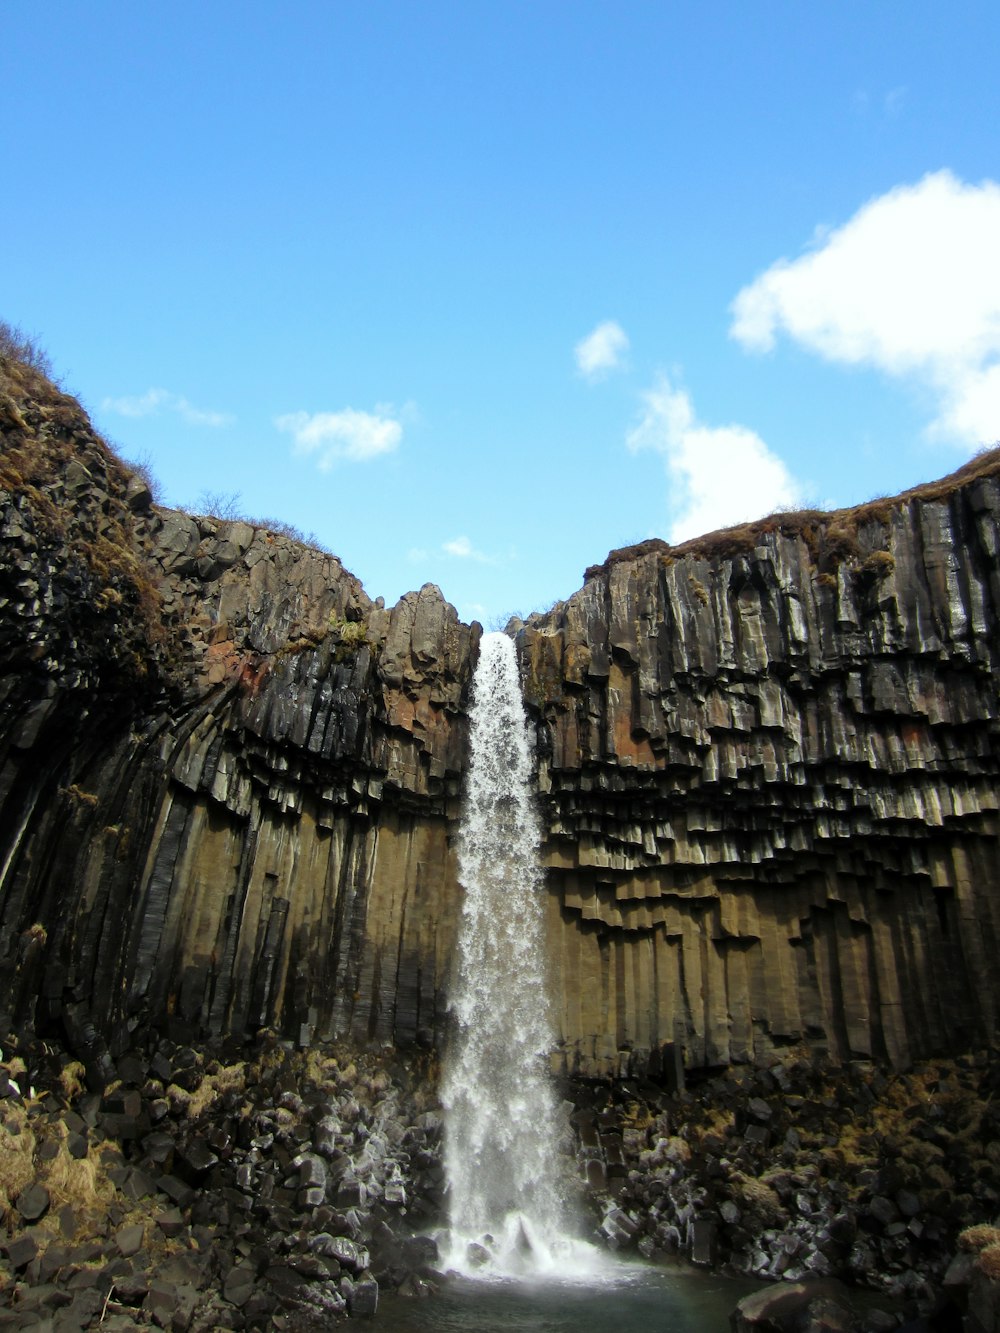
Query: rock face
{"points": [[228, 778], [769, 766], [229, 781]]}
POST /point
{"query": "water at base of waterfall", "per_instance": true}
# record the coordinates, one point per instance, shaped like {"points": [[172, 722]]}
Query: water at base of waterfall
{"points": [[639, 1299], [507, 1200]]}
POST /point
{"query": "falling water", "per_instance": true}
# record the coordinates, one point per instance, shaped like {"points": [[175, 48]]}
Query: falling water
{"points": [[506, 1206]]}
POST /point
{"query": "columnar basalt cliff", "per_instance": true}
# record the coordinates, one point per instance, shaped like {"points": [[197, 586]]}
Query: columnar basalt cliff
{"points": [[228, 777], [229, 781], [769, 761]]}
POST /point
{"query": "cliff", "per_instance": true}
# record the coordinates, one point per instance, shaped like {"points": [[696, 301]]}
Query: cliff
{"points": [[229, 781], [769, 761]]}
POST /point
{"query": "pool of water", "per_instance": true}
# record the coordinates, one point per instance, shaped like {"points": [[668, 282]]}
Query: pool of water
{"points": [[636, 1300]]}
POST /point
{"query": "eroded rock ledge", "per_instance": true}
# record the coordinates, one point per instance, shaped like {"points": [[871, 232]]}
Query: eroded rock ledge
{"points": [[229, 781]]}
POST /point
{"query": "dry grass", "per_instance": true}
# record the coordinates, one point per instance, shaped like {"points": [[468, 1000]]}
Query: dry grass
{"points": [[17, 1152], [227, 1078], [320, 1069], [72, 1080], [832, 536], [975, 1239], [82, 1182], [759, 1198], [988, 1262], [23, 349]]}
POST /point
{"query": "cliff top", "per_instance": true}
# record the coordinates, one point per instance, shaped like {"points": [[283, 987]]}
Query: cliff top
{"points": [[836, 525], [45, 428]]}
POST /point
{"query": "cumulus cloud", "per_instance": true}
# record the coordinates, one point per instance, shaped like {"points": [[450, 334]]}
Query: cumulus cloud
{"points": [[149, 403], [719, 475], [602, 351], [347, 435], [911, 286]]}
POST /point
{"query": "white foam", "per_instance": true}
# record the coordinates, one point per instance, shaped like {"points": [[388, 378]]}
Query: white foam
{"points": [[509, 1212]]}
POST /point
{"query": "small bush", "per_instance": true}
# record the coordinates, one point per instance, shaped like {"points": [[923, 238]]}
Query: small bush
{"points": [[142, 467], [219, 504], [23, 348]]}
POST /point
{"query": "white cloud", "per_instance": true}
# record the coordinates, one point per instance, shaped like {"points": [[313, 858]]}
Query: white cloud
{"points": [[198, 416], [719, 475], [141, 405], [149, 403], [348, 434], [602, 350], [911, 286], [462, 549]]}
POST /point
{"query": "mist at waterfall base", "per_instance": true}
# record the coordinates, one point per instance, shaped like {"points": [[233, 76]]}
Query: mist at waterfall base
{"points": [[512, 1235]]}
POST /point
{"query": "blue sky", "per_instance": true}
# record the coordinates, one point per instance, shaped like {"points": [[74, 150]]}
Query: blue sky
{"points": [[477, 291]]}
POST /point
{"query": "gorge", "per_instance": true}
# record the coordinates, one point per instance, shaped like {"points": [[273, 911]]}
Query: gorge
{"points": [[230, 785], [767, 765]]}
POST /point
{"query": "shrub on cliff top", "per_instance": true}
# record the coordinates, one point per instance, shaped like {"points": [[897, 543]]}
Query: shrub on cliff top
{"points": [[16, 345]]}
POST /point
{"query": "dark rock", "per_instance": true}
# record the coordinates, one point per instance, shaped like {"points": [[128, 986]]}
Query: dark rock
{"points": [[183, 1195], [33, 1203], [170, 1221], [239, 1284], [170, 1305], [345, 1251], [362, 1296], [21, 1251], [703, 1242], [82, 1310], [883, 1210], [131, 1289], [812, 1306], [158, 1147], [129, 1240], [76, 1146], [194, 1159]]}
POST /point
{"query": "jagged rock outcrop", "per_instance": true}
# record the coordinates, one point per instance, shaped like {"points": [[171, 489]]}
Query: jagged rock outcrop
{"points": [[229, 781]]}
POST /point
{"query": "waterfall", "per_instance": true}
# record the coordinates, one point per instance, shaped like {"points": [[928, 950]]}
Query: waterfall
{"points": [[507, 1212]]}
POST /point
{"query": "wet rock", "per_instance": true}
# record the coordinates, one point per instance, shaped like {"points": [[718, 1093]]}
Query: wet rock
{"points": [[361, 1295], [817, 1306], [703, 1243]]}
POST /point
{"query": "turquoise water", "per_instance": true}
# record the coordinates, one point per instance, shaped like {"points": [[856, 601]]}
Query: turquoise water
{"points": [[642, 1300]]}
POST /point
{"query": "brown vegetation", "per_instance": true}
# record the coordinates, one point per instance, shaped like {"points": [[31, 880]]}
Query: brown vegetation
{"points": [[832, 536]]}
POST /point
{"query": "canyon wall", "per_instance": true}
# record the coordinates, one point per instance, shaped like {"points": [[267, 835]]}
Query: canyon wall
{"points": [[230, 782]]}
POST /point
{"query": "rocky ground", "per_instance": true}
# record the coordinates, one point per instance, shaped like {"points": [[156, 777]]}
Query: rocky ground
{"points": [[277, 1190], [270, 1188], [797, 1172]]}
